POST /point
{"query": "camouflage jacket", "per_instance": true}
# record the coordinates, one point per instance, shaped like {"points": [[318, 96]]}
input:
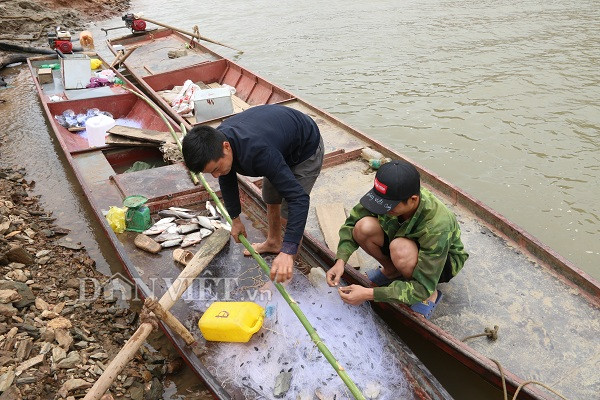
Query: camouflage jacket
{"points": [[434, 227]]}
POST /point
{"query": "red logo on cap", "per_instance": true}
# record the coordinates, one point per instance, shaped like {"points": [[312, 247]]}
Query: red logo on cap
{"points": [[381, 188]]}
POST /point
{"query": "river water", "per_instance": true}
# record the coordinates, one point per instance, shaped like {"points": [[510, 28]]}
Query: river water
{"points": [[499, 99]]}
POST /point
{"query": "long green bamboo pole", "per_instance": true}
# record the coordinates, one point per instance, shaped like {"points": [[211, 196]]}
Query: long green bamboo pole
{"points": [[262, 263]]}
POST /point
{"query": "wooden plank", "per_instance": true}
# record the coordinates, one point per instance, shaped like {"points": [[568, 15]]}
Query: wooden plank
{"points": [[146, 135], [116, 140], [94, 166], [331, 217]]}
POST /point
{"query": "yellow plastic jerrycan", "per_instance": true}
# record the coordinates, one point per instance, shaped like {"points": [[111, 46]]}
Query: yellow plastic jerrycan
{"points": [[231, 321]]}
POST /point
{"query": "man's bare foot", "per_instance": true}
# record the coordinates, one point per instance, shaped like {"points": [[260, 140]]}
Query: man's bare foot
{"points": [[264, 247]]}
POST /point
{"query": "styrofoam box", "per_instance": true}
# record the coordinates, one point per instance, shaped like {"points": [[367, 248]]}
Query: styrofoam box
{"points": [[76, 71], [212, 103]]}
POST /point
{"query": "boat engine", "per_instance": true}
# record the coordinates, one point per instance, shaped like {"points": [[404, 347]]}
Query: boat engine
{"points": [[133, 23], [60, 40]]}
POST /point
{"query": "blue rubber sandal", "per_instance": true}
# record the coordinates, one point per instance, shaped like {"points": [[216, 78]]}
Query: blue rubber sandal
{"points": [[378, 278], [426, 308]]}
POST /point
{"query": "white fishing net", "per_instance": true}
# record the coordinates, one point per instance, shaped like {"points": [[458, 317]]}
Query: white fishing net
{"points": [[356, 336]]}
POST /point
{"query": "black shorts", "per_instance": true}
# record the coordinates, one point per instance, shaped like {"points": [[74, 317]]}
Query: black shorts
{"points": [[446, 272]]}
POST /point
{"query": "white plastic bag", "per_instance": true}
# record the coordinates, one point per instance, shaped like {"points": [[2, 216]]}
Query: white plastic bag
{"points": [[183, 103]]}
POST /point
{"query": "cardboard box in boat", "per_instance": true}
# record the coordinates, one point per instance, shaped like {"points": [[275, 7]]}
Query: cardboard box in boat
{"points": [[212, 103], [76, 71], [45, 75]]}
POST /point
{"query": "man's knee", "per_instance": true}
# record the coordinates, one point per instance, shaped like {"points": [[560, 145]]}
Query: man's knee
{"points": [[404, 254], [367, 229]]}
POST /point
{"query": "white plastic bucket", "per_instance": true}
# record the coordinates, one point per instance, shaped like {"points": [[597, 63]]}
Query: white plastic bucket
{"points": [[96, 128]]}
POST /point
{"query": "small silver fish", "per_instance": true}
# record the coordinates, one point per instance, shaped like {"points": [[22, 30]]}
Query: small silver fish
{"points": [[211, 209], [166, 236], [191, 239], [187, 228], [204, 222], [164, 221], [170, 243], [174, 213], [187, 210], [158, 228], [205, 232], [221, 225], [172, 229]]}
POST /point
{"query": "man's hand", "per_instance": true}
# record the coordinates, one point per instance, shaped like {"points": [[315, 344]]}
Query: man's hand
{"points": [[282, 267], [237, 227], [335, 273], [355, 294]]}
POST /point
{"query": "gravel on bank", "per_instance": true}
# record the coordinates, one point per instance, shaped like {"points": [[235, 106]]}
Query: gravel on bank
{"points": [[55, 339], [58, 327]]}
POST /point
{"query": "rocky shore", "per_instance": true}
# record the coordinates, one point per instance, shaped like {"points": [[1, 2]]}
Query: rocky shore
{"points": [[56, 334]]}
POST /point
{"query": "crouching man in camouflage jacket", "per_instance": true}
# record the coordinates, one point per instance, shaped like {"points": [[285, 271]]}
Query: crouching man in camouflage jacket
{"points": [[410, 232]]}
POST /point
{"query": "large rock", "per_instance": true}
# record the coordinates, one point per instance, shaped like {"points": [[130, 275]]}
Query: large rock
{"points": [[69, 244], [156, 390], [64, 338], [17, 275], [60, 323], [136, 392], [9, 296], [20, 255], [72, 360], [27, 296], [58, 354], [7, 310]]}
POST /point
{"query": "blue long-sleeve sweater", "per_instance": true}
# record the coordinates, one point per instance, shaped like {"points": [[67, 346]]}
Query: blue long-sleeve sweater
{"points": [[266, 141]]}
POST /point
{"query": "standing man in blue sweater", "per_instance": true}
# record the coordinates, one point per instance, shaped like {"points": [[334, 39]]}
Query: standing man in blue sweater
{"points": [[282, 145]]}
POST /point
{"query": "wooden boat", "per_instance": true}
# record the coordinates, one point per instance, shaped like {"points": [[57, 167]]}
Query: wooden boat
{"points": [[547, 310], [101, 174]]}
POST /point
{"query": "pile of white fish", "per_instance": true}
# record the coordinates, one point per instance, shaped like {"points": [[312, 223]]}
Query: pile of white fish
{"points": [[181, 226]]}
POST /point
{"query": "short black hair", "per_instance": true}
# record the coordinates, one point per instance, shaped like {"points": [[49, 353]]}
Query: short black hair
{"points": [[202, 145]]}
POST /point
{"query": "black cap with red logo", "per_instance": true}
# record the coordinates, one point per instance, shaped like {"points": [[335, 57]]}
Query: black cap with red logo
{"points": [[395, 181]]}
